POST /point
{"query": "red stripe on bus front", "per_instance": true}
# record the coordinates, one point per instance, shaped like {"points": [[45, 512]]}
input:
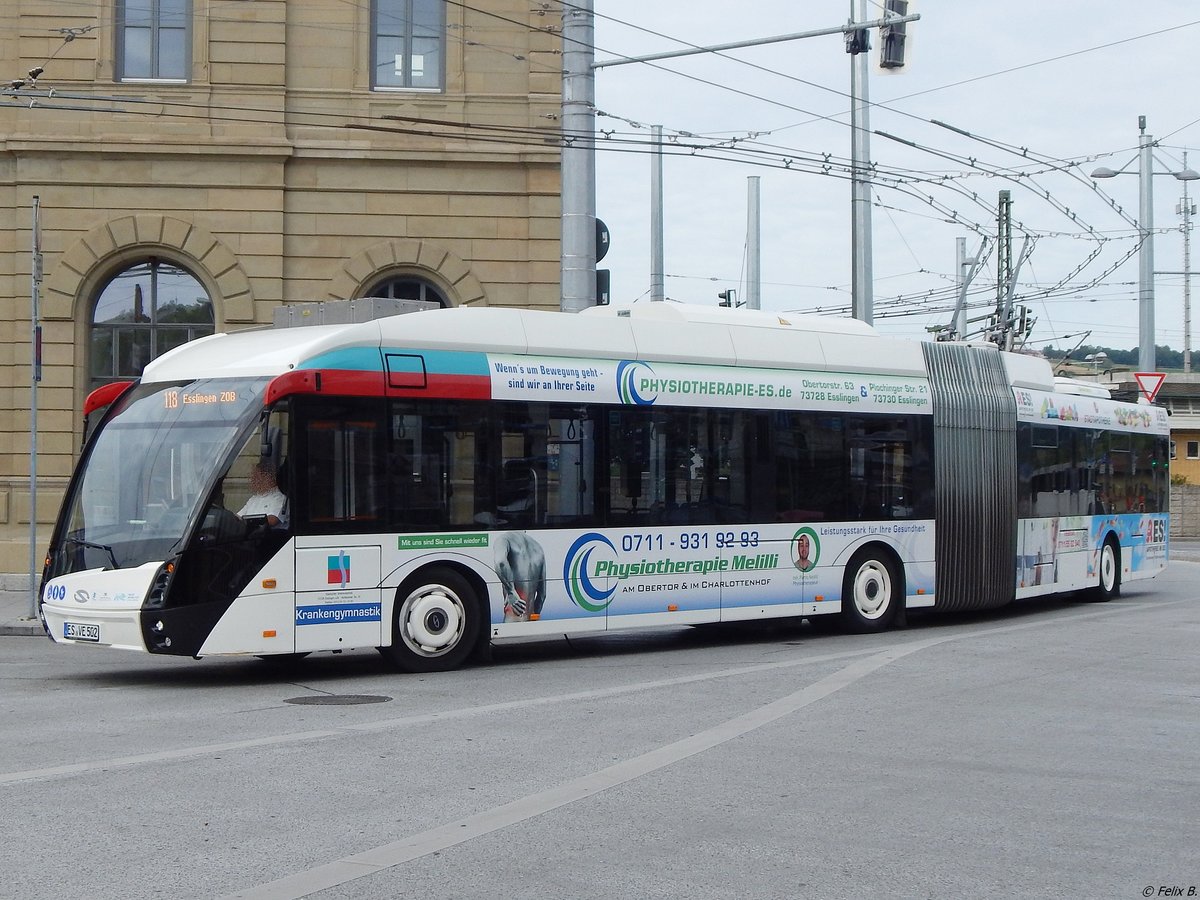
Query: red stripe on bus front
{"points": [[353, 383]]}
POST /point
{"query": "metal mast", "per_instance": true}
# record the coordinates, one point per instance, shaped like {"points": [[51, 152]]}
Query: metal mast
{"points": [[1187, 210], [857, 44], [578, 158]]}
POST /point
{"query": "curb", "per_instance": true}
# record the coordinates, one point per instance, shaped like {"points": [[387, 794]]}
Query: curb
{"points": [[33, 629]]}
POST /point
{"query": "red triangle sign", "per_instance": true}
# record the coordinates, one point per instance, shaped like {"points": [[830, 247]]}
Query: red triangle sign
{"points": [[1150, 383]]}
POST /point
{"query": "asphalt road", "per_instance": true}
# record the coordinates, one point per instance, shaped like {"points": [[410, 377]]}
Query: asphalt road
{"points": [[1051, 749]]}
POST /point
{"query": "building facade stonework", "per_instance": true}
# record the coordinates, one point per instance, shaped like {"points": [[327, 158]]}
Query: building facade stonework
{"points": [[198, 163]]}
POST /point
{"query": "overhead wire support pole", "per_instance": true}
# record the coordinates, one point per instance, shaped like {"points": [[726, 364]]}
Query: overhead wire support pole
{"points": [[578, 158], [1186, 208], [861, 291], [1004, 264], [1146, 349], [1145, 230], [1007, 320], [35, 375]]}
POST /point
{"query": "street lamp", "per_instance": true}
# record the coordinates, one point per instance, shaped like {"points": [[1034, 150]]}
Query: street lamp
{"points": [[1146, 234]]}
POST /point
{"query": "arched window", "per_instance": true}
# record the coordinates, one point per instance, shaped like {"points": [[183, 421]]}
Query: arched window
{"points": [[407, 287], [142, 312]]}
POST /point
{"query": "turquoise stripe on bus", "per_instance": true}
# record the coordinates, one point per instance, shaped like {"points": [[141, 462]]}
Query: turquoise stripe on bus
{"points": [[449, 362], [370, 359], [357, 359]]}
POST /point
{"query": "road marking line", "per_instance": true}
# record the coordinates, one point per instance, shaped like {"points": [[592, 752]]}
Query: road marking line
{"points": [[182, 753], [453, 833], [443, 837], [410, 721]]}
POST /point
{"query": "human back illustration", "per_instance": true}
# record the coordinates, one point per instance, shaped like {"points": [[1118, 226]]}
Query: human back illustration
{"points": [[521, 567]]}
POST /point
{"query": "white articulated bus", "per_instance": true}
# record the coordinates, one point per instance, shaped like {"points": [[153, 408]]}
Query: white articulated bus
{"points": [[447, 478]]}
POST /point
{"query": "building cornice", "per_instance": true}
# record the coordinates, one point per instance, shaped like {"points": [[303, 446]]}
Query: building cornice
{"points": [[181, 145]]}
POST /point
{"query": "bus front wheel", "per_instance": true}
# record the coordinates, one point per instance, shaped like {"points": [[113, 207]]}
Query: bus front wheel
{"points": [[436, 623], [871, 592], [1109, 582]]}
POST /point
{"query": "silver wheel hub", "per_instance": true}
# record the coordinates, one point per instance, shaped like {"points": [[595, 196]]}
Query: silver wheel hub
{"points": [[432, 620], [1108, 567], [872, 593]]}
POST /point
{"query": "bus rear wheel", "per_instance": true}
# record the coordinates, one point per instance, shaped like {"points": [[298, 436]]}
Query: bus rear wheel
{"points": [[436, 623], [871, 592], [1109, 582]]}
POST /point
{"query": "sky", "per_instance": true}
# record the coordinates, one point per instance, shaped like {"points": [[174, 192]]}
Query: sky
{"points": [[1049, 90]]}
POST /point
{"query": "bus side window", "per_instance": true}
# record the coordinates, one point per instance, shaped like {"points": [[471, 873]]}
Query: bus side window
{"points": [[629, 459], [416, 469], [570, 461], [343, 466], [884, 473]]}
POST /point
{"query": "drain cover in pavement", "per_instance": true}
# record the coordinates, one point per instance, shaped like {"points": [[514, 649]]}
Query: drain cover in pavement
{"points": [[336, 699]]}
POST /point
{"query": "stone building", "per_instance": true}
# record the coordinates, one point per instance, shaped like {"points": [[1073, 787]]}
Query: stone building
{"points": [[199, 162]]}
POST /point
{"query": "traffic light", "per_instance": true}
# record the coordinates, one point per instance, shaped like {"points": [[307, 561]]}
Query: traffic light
{"points": [[603, 278], [728, 298], [892, 37]]}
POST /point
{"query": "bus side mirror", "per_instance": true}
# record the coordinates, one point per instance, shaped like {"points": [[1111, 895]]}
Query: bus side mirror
{"points": [[270, 447]]}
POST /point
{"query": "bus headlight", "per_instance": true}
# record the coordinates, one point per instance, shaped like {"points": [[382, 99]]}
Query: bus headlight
{"points": [[156, 597]]}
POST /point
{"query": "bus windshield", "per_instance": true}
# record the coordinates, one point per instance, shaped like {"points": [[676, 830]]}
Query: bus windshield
{"points": [[150, 469]]}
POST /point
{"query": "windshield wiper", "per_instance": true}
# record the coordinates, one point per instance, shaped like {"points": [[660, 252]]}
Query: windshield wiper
{"points": [[80, 542]]}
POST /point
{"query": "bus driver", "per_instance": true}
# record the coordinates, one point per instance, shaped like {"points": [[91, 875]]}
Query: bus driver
{"points": [[266, 499]]}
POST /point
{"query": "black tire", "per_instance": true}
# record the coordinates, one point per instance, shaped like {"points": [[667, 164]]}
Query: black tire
{"points": [[871, 592], [435, 624], [1108, 582]]}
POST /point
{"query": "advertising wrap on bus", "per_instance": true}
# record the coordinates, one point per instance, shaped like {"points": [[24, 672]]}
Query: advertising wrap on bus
{"points": [[639, 383], [1089, 412], [1065, 551], [730, 574]]}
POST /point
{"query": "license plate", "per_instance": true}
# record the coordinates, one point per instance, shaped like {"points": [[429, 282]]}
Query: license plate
{"points": [[77, 631]]}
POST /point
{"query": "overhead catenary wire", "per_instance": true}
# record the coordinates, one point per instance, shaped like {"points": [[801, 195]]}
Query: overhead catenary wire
{"points": [[743, 152]]}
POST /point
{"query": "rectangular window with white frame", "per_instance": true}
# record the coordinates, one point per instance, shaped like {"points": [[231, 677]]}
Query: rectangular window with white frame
{"points": [[1193, 449], [408, 44], [153, 40]]}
